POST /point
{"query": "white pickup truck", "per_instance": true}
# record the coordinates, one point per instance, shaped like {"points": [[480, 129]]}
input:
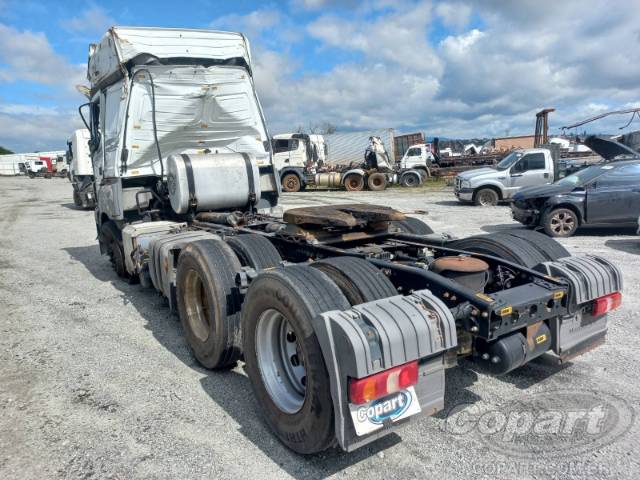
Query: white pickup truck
{"points": [[521, 168]]}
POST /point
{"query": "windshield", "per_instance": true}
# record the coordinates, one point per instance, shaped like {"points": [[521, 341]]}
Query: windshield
{"points": [[509, 160], [584, 176]]}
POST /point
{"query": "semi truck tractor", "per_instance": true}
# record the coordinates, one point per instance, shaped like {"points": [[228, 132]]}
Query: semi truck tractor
{"points": [[300, 164], [344, 317], [81, 169]]}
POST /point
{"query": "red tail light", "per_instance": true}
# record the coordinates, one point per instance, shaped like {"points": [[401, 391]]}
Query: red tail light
{"points": [[606, 304], [363, 390]]}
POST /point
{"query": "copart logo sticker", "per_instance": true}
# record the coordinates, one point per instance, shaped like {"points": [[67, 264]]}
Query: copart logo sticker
{"points": [[386, 408], [372, 416]]}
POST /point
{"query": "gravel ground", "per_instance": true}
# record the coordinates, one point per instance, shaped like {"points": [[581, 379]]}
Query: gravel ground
{"points": [[96, 380]]}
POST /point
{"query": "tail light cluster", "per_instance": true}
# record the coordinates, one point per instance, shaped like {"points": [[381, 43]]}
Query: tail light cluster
{"points": [[606, 304], [363, 390]]}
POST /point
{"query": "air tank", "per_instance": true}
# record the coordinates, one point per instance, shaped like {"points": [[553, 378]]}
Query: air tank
{"points": [[220, 181]]}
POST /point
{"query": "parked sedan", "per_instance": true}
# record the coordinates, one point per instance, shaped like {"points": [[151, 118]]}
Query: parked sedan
{"points": [[601, 195]]}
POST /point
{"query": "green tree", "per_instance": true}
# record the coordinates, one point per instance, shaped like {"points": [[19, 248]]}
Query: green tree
{"points": [[4, 151]]}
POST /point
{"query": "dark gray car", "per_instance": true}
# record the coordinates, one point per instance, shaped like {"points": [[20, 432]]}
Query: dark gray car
{"points": [[601, 195]]}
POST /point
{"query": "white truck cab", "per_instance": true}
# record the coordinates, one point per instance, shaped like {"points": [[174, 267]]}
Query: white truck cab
{"points": [[157, 101], [419, 156], [521, 168]]}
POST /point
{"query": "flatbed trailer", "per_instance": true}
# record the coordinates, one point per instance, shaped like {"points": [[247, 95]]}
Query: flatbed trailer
{"points": [[345, 316]]}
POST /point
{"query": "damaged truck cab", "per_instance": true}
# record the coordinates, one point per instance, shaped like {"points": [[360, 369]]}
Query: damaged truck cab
{"points": [[345, 316]]}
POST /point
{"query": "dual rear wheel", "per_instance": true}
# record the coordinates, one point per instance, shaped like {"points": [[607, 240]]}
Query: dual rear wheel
{"points": [[272, 329]]}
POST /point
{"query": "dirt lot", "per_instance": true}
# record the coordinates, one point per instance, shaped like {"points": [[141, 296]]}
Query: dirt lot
{"points": [[96, 380]]}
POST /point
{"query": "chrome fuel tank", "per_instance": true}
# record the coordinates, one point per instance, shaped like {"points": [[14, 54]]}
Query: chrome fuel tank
{"points": [[220, 181]]}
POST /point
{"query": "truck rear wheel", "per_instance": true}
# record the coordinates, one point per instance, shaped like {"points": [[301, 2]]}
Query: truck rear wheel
{"points": [[76, 198], [283, 357], [377, 181], [291, 183], [207, 304], [255, 251], [354, 182], [413, 226], [359, 280], [504, 246]]}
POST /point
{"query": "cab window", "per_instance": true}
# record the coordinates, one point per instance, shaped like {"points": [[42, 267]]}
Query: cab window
{"points": [[531, 161], [413, 152]]}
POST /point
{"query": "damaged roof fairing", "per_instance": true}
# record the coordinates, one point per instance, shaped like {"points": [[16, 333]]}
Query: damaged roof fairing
{"points": [[122, 46]]}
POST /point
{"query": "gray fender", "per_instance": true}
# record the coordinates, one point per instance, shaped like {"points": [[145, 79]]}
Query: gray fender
{"points": [[421, 176], [589, 277], [375, 336]]}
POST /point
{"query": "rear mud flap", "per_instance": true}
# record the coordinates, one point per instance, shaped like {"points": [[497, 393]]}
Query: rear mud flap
{"points": [[589, 277], [379, 335]]}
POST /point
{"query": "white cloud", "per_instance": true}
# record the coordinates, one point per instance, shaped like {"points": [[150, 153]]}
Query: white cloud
{"points": [[478, 80], [398, 37], [95, 20], [29, 56], [454, 15], [24, 131]]}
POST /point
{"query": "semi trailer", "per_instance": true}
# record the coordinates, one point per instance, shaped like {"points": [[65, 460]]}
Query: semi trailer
{"points": [[81, 169], [345, 317]]}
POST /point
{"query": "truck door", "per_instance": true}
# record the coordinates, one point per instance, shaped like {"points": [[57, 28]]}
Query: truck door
{"points": [[614, 198], [413, 157], [532, 169]]}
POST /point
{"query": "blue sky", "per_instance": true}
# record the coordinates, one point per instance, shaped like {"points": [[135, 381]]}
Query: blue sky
{"points": [[459, 68]]}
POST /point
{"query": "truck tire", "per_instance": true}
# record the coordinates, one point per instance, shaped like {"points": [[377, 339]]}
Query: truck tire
{"points": [[76, 198], [548, 247], [411, 180], [377, 182], [112, 238], [291, 183], [354, 182], [486, 197], [413, 226], [560, 222], [207, 302], [359, 280], [254, 251], [504, 246], [283, 358]]}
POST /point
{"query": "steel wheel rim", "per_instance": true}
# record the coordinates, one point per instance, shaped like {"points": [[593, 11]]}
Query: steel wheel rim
{"points": [[562, 222], [353, 183], [486, 199], [197, 306], [280, 361], [292, 183]]}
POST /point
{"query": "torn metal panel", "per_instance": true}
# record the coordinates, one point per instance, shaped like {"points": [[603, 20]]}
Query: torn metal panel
{"points": [[121, 45]]}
